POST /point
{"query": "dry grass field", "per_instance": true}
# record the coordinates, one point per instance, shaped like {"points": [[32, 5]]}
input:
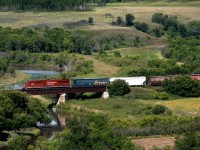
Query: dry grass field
{"points": [[159, 142], [141, 12]]}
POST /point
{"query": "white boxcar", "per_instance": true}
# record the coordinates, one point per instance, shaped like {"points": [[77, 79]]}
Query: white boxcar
{"points": [[132, 81]]}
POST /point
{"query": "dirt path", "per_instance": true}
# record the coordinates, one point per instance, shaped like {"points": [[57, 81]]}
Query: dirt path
{"points": [[149, 143]]}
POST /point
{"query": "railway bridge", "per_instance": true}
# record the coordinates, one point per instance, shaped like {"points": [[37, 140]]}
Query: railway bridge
{"points": [[47, 91], [62, 91]]}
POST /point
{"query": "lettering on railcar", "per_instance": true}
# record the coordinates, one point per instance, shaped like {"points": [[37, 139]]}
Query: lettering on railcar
{"points": [[51, 83], [100, 83]]}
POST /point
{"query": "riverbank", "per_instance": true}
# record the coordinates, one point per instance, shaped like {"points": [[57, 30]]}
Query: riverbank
{"points": [[8, 80]]}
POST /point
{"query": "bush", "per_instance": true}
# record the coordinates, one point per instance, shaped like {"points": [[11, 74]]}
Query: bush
{"points": [[120, 20], [144, 27], [118, 88], [161, 95], [90, 20], [182, 86], [158, 32], [158, 109], [129, 19], [17, 143], [117, 54], [190, 141]]}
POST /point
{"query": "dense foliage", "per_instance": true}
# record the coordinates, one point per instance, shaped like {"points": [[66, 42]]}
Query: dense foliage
{"points": [[183, 86], [55, 40], [87, 133], [189, 141], [171, 24], [48, 40], [5, 68], [156, 67], [43, 5], [183, 49], [118, 88], [144, 27], [17, 143], [19, 111]]}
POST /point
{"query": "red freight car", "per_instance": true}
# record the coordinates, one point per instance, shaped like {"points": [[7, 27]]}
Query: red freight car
{"points": [[195, 76], [46, 83]]}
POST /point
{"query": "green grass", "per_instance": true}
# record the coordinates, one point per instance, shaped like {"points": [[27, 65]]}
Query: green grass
{"points": [[132, 57], [101, 69], [113, 107], [142, 52]]}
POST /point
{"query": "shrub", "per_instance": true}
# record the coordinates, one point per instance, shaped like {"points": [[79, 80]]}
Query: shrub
{"points": [[90, 20], [117, 54], [120, 20], [118, 88], [182, 86], [17, 143], [161, 95], [158, 109], [144, 27], [158, 32], [190, 141], [129, 19]]}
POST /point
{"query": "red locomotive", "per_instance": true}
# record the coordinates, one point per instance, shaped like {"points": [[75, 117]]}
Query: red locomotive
{"points": [[46, 83], [195, 77]]}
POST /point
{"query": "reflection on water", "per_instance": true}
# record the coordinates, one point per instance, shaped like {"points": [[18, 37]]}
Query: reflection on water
{"points": [[57, 124], [39, 74], [33, 74]]}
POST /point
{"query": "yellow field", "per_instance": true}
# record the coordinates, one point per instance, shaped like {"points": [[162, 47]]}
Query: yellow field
{"points": [[187, 105]]}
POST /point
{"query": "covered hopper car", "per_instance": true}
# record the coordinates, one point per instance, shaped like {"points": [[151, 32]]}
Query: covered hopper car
{"points": [[132, 81]]}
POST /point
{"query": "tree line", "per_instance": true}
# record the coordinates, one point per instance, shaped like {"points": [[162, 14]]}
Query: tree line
{"points": [[59, 5], [43, 5]]}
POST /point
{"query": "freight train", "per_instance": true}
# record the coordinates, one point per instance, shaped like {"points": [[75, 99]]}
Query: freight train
{"points": [[93, 82], [82, 82]]}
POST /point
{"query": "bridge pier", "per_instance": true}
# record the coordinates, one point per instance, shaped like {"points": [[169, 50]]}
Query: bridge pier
{"points": [[61, 99], [105, 95]]}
